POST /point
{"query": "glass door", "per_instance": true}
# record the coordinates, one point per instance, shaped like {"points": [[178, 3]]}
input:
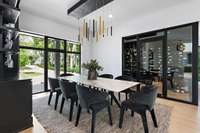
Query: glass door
{"points": [[167, 57], [151, 62], [179, 62]]}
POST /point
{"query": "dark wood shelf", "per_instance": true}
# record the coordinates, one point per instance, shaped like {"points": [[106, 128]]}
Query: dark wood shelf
{"points": [[9, 50], [9, 28], [15, 31], [10, 14], [12, 3]]}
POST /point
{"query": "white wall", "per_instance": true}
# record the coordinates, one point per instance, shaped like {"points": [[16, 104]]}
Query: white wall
{"points": [[108, 51], [37, 24]]}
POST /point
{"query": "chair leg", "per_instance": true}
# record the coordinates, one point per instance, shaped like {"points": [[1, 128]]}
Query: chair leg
{"points": [[132, 113], [153, 116], [62, 104], [172, 84], [111, 101], [71, 110], [144, 121], [126, 96], [109, 115], [50, 96], [119, 96], [78, 115], [93, 121], [56, 102], [121, 117]]}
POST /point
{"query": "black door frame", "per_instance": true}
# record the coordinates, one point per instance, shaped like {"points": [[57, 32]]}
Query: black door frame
{"points": [[164, 60], [195, 40]]}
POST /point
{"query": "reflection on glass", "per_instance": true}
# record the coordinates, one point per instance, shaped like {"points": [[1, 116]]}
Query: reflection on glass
{"points": [[151, 63], [32, 67], [179, 49], [73, 63]]}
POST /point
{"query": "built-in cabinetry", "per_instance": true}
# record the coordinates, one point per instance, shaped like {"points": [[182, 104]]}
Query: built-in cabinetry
{"points": [[16, 105], [15, 95], [129, 58]]}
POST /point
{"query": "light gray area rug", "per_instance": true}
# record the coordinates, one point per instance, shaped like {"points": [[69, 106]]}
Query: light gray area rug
{"points": [[54, 122]]}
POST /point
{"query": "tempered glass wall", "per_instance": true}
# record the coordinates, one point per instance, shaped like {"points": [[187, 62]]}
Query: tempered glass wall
{"points": [[152, 62], [31, 61], [73, 57], [179, 62], [42, 57], [55, 57], [169, 58], [55, 64]]}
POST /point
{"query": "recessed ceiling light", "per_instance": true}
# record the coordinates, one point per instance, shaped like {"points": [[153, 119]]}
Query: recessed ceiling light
{"points": [[110, 16]]}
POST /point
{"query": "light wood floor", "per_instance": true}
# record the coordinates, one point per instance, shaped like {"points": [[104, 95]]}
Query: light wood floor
{"points": [[185, 118]]}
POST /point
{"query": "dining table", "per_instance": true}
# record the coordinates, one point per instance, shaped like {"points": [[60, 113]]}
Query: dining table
{"points": [[110, 85]]}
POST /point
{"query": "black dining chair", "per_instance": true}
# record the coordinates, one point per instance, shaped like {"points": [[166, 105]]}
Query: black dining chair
{"points": [[69, 92], [110, 76], [92, 100], [54, 88], [127, 91], [140, 102]]}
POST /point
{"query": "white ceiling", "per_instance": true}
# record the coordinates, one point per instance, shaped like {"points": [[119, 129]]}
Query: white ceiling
{"points": [[56, 10]]}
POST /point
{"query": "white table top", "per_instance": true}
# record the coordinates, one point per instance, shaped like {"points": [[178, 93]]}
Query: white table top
{"points": [[104, 83]]}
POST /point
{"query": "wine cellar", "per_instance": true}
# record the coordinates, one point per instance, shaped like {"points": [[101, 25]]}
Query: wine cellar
{"points": [[166, 58]]}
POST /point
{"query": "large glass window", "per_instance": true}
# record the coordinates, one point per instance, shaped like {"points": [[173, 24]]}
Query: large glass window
{"points": [[60, 56], [31, 41], [55, 64], [56, 44], [73, 63], [73, 57]]}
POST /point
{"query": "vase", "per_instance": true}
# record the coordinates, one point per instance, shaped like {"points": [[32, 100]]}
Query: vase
{"points": [[92, 75]]}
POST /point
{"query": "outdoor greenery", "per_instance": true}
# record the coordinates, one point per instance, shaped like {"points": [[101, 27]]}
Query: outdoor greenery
{"points": [[73, 47], [52, 43], [30, 41], [51, 60], [30, 59], [73, 63]]}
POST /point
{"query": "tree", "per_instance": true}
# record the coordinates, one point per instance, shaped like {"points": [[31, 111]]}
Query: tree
{"points": [[24, 58]]}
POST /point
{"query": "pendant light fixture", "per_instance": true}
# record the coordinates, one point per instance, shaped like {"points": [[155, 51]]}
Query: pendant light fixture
{"points": [[96, 27]]}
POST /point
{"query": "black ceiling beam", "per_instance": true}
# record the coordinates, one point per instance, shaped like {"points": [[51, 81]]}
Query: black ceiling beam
{"points": [[76, 6], [85, 7]]}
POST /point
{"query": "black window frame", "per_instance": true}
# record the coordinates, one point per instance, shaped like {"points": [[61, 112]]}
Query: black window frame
{"points": [[48, 50]]}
